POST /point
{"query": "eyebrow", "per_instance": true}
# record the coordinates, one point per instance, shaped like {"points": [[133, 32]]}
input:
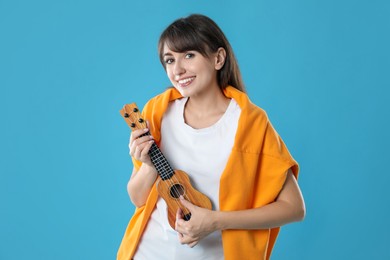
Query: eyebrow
{"points": [[167, 54]]}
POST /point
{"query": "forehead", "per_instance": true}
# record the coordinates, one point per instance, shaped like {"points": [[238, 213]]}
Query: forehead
{"points": [[168, 51]]}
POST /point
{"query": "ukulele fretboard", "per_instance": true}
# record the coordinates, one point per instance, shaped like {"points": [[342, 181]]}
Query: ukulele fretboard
{"points": [[160, 162]]}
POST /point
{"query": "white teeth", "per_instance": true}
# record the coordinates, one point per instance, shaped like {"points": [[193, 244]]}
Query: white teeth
{"points": [[183, 81]]}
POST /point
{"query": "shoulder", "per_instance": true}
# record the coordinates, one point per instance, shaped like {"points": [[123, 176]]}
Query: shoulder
{"points": [[254, 117], [253, 125], [155, 108], [249, 111], [161, 100], [255, 133], [256, 112]]}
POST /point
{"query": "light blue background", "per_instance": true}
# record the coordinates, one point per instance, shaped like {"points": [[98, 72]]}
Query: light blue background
{"points": [[319, 68]]}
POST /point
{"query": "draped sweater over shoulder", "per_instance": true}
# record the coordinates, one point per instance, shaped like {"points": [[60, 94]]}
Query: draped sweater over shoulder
{"points": [[253, 177]]}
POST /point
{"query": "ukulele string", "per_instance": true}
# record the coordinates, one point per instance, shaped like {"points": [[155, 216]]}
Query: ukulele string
{"points": [[184, 209], [170, 184], [183, 193]]}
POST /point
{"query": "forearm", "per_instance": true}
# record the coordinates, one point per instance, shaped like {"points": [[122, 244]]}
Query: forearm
{"points": [[288, 207], [204, 221], [140, 184], [273, 215]]}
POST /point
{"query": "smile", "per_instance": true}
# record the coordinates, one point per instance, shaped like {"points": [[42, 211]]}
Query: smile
{"points": [[186, 81]]}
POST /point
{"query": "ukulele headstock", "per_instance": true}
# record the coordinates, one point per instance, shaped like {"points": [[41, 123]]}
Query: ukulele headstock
{"points": [[132, 116]]}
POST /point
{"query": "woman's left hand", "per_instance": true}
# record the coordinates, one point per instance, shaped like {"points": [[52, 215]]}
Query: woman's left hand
{"points": [[200, 225]]}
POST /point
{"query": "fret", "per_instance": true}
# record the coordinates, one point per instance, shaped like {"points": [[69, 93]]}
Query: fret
{"points": [[160, 162]]}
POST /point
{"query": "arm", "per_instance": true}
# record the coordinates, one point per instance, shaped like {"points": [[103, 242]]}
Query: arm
{"points": [[140, 184], [288, 207], [141, 181]]}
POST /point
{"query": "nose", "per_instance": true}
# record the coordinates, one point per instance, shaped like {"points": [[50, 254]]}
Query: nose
{"points": [[178, 69]]}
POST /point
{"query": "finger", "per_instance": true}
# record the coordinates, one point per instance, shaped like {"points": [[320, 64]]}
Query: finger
{"points": [[146, 148], [141, 151], [186, 203], [179, 222], [179, 213], [137, 133], [190, 241], [193, 244], [136, 152], [180, 237], [139, 143]]}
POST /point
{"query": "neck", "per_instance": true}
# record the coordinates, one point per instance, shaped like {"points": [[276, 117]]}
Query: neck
{"points": [[204, 110], [211, 102]]}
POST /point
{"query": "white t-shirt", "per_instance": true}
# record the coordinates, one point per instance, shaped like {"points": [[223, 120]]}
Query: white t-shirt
{"points": [[202, 154]]}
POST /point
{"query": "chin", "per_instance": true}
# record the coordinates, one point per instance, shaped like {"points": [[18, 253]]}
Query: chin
{"points": [[183, 92]]}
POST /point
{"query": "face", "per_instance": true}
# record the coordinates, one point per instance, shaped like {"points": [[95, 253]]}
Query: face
{"points": [[191, 73]]}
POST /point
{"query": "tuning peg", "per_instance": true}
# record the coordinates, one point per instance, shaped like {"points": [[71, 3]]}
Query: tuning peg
{"points": [[135, 110], [140, 120], [126, 115], [132, 125]]}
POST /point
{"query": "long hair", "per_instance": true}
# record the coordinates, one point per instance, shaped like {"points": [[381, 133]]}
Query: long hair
{"points": [[199, 33]]}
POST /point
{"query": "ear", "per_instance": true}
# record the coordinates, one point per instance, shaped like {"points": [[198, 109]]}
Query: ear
{"points": [[220, 57]]}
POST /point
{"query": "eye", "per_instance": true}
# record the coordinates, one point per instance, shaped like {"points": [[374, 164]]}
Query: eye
{"points": [[168, 61], [190, 55]]}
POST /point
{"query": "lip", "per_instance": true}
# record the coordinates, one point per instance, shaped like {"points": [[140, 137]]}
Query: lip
{"points": [[184, 82]]}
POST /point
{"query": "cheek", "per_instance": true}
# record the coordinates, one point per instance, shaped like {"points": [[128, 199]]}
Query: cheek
{"points": [[169, 73], [209, 73]]}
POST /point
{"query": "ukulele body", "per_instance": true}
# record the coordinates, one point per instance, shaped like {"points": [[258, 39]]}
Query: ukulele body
{"points": [[171, 189]]}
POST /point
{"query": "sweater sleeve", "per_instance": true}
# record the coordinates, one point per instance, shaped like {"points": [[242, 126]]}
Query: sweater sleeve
{"points": [[275, 160], [275, 151]]}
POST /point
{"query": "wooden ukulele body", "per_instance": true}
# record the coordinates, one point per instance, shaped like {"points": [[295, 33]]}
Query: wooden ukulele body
{"points": [[171, 189]]}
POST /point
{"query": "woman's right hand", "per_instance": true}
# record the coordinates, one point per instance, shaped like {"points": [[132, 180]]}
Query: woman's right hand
{"points": [[142, 179], [140, 146]]}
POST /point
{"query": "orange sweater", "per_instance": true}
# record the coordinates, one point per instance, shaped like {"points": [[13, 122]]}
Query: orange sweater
{"points": [[253, 177]]}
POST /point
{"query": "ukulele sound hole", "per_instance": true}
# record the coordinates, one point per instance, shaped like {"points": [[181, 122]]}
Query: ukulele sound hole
{"points": [[176, 190]]}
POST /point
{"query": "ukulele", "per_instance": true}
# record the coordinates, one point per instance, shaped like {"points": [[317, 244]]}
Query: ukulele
{"points": [[171, 184]]}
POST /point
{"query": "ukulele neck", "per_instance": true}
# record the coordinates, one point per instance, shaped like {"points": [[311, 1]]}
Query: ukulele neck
{"points": [[159, 161]]}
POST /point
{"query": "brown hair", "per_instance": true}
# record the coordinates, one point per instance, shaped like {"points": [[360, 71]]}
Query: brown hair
{"points": [[199, 33]]}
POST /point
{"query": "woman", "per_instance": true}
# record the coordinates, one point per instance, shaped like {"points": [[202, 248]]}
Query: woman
{"points": [[206, 126]]}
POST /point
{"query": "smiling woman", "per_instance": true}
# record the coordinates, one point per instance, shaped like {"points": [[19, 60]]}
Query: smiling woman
{"points": [[201, 34], [192, 68], [206, 126]]}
